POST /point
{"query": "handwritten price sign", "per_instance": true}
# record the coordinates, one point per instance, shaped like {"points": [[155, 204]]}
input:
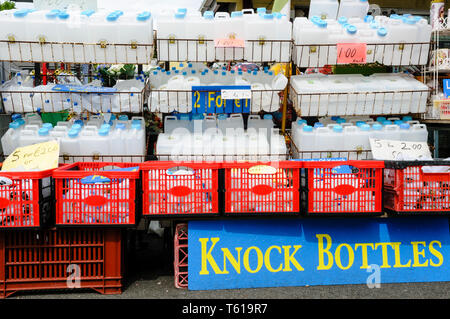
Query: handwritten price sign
{"points": [[399, 150], [36, 157], [229, 43], [349, 53]]}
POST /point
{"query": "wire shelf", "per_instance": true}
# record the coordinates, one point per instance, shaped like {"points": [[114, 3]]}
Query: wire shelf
{"points": [[29, 100], [65, 52], [167, 101], [361, 103], [204, 50], [392, 54]]}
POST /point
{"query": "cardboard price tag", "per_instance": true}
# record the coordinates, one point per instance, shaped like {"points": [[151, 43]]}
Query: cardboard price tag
{"points": [[349, 53], [36, 157], [236, 94], [399, 150], [229, 43]]}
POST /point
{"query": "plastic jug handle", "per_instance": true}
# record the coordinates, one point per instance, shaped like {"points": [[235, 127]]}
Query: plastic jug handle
{"points": [[210, 118], [222, 15], [90, 128], [237, 115], [419, 126], [170, 118], [321, 130], [254, 117], [248, 11]]}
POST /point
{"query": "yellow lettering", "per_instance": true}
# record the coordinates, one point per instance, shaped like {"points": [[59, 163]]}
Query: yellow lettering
{"points": [[417, 254], [351, 256], [235, 263], [260, 259], [289, 258], [210, 98], [197, 94], [398, 263], [326, 250], [207, 257], [219, 98], [365, 264], [436, 253], [384, 253], [267, 259], [237, 103]]}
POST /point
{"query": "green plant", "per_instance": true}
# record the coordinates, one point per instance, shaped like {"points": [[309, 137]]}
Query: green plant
{"points": [[7, 5], [110, 75]]}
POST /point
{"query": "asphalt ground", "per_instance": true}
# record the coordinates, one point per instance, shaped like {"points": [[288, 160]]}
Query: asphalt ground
{"points": [[150, 275]]}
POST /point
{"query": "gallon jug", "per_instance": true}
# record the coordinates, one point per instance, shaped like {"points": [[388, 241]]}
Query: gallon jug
{"points": [[201, 32], [353, 8], [325, 9], [136, 29], [258, 31], [105, 36]]}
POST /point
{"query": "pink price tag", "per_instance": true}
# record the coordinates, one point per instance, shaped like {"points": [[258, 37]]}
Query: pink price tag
{"points": [[229, 43], [348, 53]]}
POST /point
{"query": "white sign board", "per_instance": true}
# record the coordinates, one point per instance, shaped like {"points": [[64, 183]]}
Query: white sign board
{"points": [[236, 94], [65, 4], [399, 150]]}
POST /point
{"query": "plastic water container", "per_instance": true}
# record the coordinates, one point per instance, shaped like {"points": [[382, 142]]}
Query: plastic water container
{"points": [[424, 35], [226, 27], [325, 9], [313, 33], [419, 133], [353, 8], [104, 32], [306, 141], [135, 141], [12, 29], [135, 28], [227, 125], [264, 125], [281, 52], [41, 28], [278, 149], [10, 140], [201, 29], [392, 132], [315, 104], [165, 144], [259, 30]]}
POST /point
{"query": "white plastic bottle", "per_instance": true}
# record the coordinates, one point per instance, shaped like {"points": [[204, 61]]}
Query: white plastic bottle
{"points": [[353, 8], [10, 140], [281, 52], [201, 31], [136, 28], [306, 141], [419, 133], [105, 35], [325, 9]]}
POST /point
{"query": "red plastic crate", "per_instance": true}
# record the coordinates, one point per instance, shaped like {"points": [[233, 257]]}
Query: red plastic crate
{"points": [[408, 189], [254, 188], [355, 189], [180, 188], [61, 259], [180, 262], [111, 203], [25, 199]]}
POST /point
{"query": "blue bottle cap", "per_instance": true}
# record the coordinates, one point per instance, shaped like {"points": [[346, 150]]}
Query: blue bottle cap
{"points": [[235, 14], [21, 13], [334, 118], [136, 126], [21, 121], [398, 122], [63, 15], [103, 131], [268, 16], [180, 15], [342, 20], [365, 127], [112, 17], [184, 116], [222, 116], [52, 14], [16, 116], [88, 13], [48, 126], [14, 125], [144, 16], [123, 117], [404, 126], [381, 119], [268, 117], [261, 10], [360, 123], [351, 29], [76, 127], [318, 124], [300, 122], [340, 121], [337, 129], [307, 128], [73, 133], [387, 122], [197, 116], [43, 131], [79, 122], [368, 18], [208, 15], [407, 118], [321, 23], [182, 10], [105, 126], [377, 127], [409, 20]]}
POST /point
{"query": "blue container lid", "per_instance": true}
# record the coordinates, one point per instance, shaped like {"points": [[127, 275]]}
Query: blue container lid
{"points": [[184, 73], [87, 13], [21, 13], [318, 124], [106, 126], [48, 126], [338, 129], [268, 117], [123, 117], [208, 15], [43, 131], [63, 15], [382, 32], [381, 118], [73, 133], [144, 16], [359, 123], [404, 126], [184, 116], [261, 9], [120, 126], [407, 118], [182, 10], [387, 122], [398, 122], [52, 14], [103, 131], [268, 16], [16, 116], [14, 125], [351, 29], [342, 20], [216, 72], [409, 20], [222, 116], [112, 17], [368, 18], [236, 14], [395, 16], [307, 128], [76, 127], [197, 116], [180, 15], [321, 23], [377, 127], [80, 122], [21, 121], [340, 121], [365, 127], [300, 122], [334, 118]]}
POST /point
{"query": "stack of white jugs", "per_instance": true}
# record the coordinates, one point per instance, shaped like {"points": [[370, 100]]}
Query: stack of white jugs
{"points": [[81, 32], [394, 40], [19, 95], [352, 135], [355, 94], [266, 36], [220, 139], [116, 137], [265, 86]]}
